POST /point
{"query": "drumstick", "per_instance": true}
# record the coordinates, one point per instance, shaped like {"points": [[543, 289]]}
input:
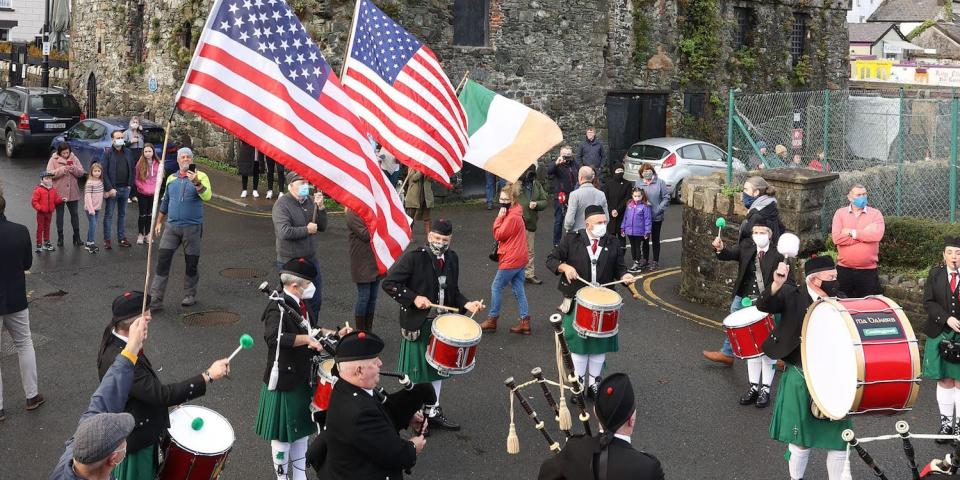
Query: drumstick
{"points": [[903, 428], [620, 281], [246, 341], [633, 290], [720, 223], [444, 307], [537, 423], [477, 310], [589, 284], [851, 439]]}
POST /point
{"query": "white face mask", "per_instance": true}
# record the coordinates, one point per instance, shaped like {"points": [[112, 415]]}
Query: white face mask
{"points": [[309, 291], [762, 240], [599, 230]]}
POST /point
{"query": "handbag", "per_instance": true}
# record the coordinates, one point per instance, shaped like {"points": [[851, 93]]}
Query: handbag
{"points": [[494, 256], [949, 349]]}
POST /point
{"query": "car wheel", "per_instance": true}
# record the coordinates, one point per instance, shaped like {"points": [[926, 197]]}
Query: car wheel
{"points": [[677, 192], [10, 146]]}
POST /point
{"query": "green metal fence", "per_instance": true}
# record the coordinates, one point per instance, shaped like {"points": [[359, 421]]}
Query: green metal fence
{"points": [[901, 145]]}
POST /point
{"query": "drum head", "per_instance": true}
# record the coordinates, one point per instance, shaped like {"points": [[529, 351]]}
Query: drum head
{"points": [[599, 295], [744, 316], [830, 362], [456, 327], [216, 435]]}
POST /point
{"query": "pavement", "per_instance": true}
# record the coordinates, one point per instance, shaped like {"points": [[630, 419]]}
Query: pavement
{"points": [[687, 408]]}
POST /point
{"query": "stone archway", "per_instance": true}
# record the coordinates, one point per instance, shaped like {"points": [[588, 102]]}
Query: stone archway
{"points": [[91, 96]]}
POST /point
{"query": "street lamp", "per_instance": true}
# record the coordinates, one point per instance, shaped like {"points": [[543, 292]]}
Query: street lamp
{"points": [[45, 66]]}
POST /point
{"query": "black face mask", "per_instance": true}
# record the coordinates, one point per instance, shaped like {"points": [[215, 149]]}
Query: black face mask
{"points": [[830, 287], [505, 205], [529, 177]]}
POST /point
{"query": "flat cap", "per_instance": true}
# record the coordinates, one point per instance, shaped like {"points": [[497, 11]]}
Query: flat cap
{"points": [[98, 436], [615, 401], [442, 226], [127, 305], [593, 210], [358, 345], [300, 267], [293, 177]]}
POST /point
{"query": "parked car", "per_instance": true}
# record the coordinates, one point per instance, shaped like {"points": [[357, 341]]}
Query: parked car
{"points": [[31, 116], [90, 138], [675, 159]]}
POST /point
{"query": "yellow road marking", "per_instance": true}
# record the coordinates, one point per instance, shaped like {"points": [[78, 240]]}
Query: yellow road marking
{"points": [[693, 317], [238, 212]]}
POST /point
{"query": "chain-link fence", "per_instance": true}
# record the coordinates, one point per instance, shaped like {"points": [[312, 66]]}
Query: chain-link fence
{"points": [[896, 143]]}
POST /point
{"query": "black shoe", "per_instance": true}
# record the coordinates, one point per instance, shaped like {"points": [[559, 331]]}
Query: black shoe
{"points": [[763, 399], [946, 428], [750, 397], [60, 242], [594, 389], [76, 240], [3, 415], [35, 402], [437, 420]]}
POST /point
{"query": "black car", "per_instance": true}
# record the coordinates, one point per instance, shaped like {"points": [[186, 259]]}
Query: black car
{"points": [[33, 116]]}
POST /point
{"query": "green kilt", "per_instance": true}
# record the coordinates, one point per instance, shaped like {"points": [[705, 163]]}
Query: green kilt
{"points": [[589, 345], [793, 422], [413, 357], [139, 465], [285, 416], [935, 367]]}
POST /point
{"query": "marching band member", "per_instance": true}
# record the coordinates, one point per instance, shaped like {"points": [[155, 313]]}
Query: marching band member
{"points": [[609, 455], [794, 422], [940, 297], [755, 271], [424, 276], [596, 256], [149, 399], [283, 413]]}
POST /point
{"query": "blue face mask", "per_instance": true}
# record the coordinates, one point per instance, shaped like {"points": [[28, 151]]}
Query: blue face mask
{"points": [[747, 199], [304, 190], [860, 202]]}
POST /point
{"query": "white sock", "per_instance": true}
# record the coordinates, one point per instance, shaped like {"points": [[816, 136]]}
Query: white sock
{"points": [[798, 460], [595, 366], [956, 395], [945, 399], [298, 459], [753, 370], [836, 460], [432, 409], [580, 365], [767, 370], [281, 454]]}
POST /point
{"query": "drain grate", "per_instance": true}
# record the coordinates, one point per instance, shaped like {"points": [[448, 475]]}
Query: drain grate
{"points": [[212, 318], [242, 273]]}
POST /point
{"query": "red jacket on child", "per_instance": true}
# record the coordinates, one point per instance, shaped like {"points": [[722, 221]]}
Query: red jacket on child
{"points": [[45, 200]]}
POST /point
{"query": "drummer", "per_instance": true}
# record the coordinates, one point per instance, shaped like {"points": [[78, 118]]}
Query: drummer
{"points": [[794, 422], [595, 256], [756, 263], [421, 277], [149, 399], [940, 299], [283, 414]]}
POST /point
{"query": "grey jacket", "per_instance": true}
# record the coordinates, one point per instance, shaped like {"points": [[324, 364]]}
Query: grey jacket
{"points": [[658, 195], [579, 200], [110, 397], [290, 219]]}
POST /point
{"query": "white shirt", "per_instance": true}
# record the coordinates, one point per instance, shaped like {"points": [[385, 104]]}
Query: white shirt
{"points": [[295, 297], [369, 391], [625, 438], [121, 337]]}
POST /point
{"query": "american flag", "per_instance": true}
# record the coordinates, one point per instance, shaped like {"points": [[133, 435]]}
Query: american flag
{"points": [[403, 95], [257, 73]]}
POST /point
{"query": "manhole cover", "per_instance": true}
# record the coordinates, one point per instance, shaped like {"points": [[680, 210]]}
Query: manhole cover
{"points": [[242, 273], [211, 319]]}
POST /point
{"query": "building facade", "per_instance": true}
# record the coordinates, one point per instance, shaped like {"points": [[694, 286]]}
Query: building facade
{"points": [[21, 20]]}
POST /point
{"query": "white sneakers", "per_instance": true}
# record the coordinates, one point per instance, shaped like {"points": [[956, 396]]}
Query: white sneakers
{"points": [[256, 194], [269, 194], [243, 194]]}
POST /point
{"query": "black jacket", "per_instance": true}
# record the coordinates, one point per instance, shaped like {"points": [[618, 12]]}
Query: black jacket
{"points": [[294, 362], [591, 153], [247, 159], [791, 302], [744, 253], [15, 258], [415, 273], [939, 301], [563, 177], [149, 399], [618, 192], [362, 440], [111, 159], [573, 251], [578, 460], [771, 214]]}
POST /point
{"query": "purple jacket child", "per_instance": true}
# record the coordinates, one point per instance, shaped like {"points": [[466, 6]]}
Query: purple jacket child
{"points": [[637, 219]]}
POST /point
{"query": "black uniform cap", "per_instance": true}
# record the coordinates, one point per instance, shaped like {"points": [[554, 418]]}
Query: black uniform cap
{"points": [[300, 267], [593, 210], [615, 402], [442, 226], [818, 264], [127, 305], [358, 345], [951, 241]]}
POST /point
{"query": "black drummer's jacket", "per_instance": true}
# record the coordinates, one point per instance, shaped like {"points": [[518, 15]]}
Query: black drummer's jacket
{"points": [[572, 250], [580, 457], [149, 399], [939, 301], [362, 440], [294, 362], [417, 273], [744, 253], [791, 302]]}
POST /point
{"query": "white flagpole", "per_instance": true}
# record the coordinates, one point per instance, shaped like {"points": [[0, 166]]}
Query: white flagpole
{"points": [[353, 27]]}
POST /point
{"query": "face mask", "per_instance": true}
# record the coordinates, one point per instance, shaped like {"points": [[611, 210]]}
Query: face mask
{"points": [[304, 190], [309, 291], [618, 173], [506, 205], [761, 240], [830, 287], [860, 202], [647, 174], [438, 248], [747, 199], [118, 142], [134, 124], [599, 230]]}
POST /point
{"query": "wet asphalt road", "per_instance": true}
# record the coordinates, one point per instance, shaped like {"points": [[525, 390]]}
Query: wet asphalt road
{"points": [[687, 410]]}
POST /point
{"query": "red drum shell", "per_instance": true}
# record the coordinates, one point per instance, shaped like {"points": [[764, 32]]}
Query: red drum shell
{"points": [[747, 339], [325, 382], [183, 463], [452, 348], [596, 317]]}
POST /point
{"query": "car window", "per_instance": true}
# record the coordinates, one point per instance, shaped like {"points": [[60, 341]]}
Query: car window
{"points": [[3, 97], [97, 131], [647, 152], [12, 102], [154, 136], [712, 153], [79, 130], [691, 152], [54, 103]]}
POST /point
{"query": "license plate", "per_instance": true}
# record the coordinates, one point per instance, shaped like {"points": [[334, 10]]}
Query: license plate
{"points": [[53, 126]]}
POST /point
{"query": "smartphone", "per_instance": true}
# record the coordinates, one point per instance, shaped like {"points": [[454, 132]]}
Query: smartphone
{"points": [[192, 167]]}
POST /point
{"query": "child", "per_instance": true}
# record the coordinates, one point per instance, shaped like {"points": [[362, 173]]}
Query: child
{"points": [[45, 200], [637, 221], [92, 202], [146, 182]]}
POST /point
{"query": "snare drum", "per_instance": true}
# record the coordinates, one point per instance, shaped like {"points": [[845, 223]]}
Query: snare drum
{"points": [[453, 344], [860, 356], [325, 381], [747, 328], [199, 454], [597, 312]]}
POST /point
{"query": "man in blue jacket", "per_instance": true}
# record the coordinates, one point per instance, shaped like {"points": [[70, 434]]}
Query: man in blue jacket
{"points": [[118, 177], [591, 154]]}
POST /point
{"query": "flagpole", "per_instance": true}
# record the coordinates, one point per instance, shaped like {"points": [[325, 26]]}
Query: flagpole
{"points": [[156, 206], [462, 82], [353, 27]]}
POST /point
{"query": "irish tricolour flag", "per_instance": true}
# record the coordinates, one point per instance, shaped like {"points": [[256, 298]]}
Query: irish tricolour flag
{"points": [[505, 136]]}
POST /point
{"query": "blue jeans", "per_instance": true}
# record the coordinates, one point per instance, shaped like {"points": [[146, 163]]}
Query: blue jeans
{"points": [[559, 211], [92, 226], [514, 277], [120, 203], [313, 305], [727, 349], [366, 298], [494, 184]]}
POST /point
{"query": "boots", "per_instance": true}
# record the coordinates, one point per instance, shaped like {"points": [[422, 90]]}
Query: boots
{"points": [[523, 327], [490, 324], [369, 319], [76, 239]]}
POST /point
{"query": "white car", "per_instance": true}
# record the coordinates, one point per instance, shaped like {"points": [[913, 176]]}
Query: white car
{"points": [[675, 159]]}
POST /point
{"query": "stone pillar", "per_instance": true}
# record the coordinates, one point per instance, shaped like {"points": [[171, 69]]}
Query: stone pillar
{"points": [[799, 194]]}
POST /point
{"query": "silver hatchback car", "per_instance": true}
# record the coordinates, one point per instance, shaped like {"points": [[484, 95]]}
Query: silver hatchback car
{"points": [[675, 159]]}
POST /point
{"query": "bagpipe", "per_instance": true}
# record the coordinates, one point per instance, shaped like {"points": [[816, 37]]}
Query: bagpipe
{"points": [[947, 467]]}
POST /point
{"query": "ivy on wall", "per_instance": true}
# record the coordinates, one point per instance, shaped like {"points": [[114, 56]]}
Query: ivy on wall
{"points": [[700, 26], [641, 31]]}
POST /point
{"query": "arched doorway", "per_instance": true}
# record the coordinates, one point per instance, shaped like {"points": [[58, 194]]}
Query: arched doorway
{"points": [[91, 96]]}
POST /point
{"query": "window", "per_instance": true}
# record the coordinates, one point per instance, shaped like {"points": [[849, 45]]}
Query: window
{"points": [[798, 37], [647, 152], [691, 152], [55, 102], [12, 102], [6, 4], [470, 22], [97, 131], [712, 153], [743, 33], [4, 34], [693, 104]]}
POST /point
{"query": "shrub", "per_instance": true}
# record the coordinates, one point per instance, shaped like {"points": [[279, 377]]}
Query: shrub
{"points": [[914, 243]]}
